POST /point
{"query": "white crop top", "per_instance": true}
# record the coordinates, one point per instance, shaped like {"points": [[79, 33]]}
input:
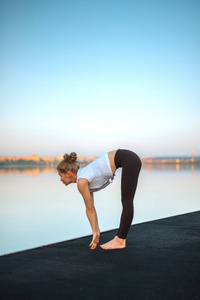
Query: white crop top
{"points": [[98, 173]]}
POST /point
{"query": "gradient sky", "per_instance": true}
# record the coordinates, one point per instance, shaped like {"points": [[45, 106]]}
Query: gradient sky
{"points": [[92, 76]]}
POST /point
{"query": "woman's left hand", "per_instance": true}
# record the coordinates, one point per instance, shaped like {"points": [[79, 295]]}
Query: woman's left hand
{"points": [[94, 241]]}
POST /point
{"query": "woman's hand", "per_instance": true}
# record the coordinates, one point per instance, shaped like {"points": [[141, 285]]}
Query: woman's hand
{"points": [[95, 240], [83, 187]]}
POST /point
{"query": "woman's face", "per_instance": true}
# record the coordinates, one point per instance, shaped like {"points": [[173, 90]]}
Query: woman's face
{"points": [[66, 178]]}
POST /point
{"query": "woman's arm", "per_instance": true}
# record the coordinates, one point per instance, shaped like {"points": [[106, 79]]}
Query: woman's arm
{"points": [[90, 210]]}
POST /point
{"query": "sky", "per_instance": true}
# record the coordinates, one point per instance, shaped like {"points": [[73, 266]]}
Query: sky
{"points": [[97, 75]]}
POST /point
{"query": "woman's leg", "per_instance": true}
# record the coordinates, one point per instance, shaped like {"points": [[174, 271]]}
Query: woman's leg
{"points": [[131, 165]]}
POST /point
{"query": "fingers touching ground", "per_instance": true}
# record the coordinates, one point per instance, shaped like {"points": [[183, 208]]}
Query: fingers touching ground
{"points": [[94, 242]]}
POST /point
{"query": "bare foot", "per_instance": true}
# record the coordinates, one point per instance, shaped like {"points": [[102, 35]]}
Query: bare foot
{"points": [[116, 243]]}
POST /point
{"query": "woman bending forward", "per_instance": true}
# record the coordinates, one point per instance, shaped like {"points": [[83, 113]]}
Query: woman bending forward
{"points": [[96, 176]]}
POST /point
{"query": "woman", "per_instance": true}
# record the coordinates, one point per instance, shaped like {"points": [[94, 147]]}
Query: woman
{"points": [[96, 176]]}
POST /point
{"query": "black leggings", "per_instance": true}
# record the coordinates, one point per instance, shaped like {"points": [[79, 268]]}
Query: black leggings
{"points": [[131, 165]]}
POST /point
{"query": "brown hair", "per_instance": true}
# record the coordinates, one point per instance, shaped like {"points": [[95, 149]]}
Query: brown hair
{"points": [[69, 162]]}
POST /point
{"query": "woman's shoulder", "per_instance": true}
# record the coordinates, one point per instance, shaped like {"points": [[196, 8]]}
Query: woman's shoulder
{"points": [[84, 173]]}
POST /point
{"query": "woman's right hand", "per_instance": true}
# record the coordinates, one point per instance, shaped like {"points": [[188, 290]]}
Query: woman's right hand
{"points": [[95, 240]]}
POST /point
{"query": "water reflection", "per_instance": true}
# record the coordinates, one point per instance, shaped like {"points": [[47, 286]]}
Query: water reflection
{"points": [[26, 170], [171, 167], [37, 170]]}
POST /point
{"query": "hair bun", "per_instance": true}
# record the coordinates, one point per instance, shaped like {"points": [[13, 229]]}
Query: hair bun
{"points": [[70, 158]]}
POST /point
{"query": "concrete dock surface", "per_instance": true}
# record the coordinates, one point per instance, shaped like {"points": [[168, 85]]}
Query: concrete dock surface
{"points": [[161, 261]]}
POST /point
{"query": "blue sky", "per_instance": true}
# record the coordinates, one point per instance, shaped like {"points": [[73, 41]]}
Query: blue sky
{"points": [[93, 76]]}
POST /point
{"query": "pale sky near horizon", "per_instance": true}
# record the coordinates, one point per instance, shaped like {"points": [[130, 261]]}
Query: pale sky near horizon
{"points": [[93, 76]]}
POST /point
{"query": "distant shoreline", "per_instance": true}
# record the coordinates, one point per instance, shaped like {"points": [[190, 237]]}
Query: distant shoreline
{"points": [[37, 161], [146, 163]]}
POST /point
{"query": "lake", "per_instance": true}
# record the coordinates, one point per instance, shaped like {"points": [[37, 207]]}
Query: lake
{"points": [[37, 209]]}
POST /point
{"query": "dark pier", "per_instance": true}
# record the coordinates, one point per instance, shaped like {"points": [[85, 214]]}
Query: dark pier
{"points": [[161, 261]]}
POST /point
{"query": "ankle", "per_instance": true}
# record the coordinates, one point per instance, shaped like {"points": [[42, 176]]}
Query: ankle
{"points": [[119, 240]]}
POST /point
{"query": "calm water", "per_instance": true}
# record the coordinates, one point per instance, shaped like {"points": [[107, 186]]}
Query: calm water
{"points": [[37, 209]]}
